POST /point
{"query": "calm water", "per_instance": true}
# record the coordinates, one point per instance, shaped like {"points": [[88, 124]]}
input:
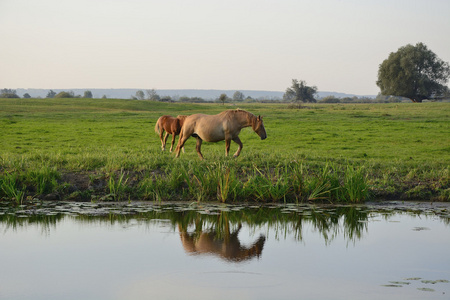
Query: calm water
{"points": [[152, 251]]}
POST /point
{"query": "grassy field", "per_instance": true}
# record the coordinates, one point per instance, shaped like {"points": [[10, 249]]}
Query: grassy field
{"points": [[92, 149]]}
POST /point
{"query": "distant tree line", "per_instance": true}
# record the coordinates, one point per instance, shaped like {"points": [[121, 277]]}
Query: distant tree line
{"points": [[10, 93], [69, 94], [413, 72], [237, 97], [379, 99]]}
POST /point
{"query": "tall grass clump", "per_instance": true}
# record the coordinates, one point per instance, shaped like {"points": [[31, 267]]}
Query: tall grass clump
{"points": [[117, 185], [154, 188], [201, 181], [296, 171], [355, 187], [11, 187], [44, 179], [227, 182], [268, 184], [324, 185]]}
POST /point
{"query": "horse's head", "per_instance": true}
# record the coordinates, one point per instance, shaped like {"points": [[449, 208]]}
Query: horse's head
{"points": [[181, 119], [258, 127]]}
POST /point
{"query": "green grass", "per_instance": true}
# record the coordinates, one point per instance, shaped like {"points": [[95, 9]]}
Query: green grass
{"points": [[324, 152]]}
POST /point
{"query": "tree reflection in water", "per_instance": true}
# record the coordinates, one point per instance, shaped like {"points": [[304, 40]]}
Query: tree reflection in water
{"points": [[214, 228]]}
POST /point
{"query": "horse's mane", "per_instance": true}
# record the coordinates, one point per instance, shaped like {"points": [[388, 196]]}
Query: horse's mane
{"points": [[232, 112]]}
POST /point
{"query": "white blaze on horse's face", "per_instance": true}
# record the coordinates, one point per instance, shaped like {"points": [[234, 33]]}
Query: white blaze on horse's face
{"points": [[259, 128]]}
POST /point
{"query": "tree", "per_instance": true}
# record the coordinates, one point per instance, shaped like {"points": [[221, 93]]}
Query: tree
{"points": [[223, 98], [414, 72], [140, 95], [300, 92], [26, 96], [8, 93], [51, 94], [238, 96], [152, 95], [65, 95], [87, 94]]}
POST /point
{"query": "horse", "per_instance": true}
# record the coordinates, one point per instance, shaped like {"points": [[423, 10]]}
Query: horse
{"points": [[227, 245], [171, 126], [224, 126]]}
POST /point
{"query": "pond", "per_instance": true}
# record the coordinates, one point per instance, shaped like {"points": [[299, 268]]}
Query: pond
{"points": [[138, 250]]}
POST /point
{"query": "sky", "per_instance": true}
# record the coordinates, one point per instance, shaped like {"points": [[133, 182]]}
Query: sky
{"points": [[335, 45]]}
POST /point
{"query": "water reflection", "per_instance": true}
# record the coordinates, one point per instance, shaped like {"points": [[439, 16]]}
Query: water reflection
{"points": [[219, 241], [157, 251], [214, 228]]}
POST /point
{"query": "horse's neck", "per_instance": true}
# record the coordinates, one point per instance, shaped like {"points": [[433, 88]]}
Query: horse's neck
{"points": [[246, 119]]}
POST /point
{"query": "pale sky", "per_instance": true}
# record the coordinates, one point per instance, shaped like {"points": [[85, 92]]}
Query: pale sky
{"points": [[336, 45]]}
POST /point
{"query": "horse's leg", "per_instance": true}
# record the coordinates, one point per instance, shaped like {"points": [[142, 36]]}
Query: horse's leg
{"points": [[182, 139], [237, 140], [198, 147], [161, 137], [173, 141], [166, 135], [227, 146]]}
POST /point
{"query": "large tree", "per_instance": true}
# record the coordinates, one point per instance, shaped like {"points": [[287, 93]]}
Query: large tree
{"points": [[300, 92], [414, 72]]}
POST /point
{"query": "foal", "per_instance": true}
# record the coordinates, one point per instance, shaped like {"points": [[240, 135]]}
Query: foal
{"points": [[171, 126]]}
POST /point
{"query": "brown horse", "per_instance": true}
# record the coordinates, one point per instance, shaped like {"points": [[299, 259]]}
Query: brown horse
{"points": [[171, 126], [225, 126], [226, 246]]}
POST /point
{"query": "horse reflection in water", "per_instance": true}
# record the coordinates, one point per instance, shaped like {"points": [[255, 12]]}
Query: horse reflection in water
{"points": [[225, 245]]}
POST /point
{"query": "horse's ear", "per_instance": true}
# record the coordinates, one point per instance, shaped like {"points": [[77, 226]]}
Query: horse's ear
{"points": [[259, 118]]}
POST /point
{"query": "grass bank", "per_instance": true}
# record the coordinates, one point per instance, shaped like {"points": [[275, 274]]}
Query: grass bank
{"points": [[106, 149]]}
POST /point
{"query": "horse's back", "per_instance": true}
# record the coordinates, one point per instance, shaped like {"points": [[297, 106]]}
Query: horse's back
{"points": [[208, 127]]}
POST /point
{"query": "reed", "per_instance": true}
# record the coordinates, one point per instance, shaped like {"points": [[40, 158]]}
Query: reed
{"points": [[355, 187], [45, 179], [227, 183], [152, 189], [12, 188], [117, 185]]}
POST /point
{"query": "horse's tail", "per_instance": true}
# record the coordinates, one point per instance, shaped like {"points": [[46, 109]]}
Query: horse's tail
{"points": [[157, 130]]}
